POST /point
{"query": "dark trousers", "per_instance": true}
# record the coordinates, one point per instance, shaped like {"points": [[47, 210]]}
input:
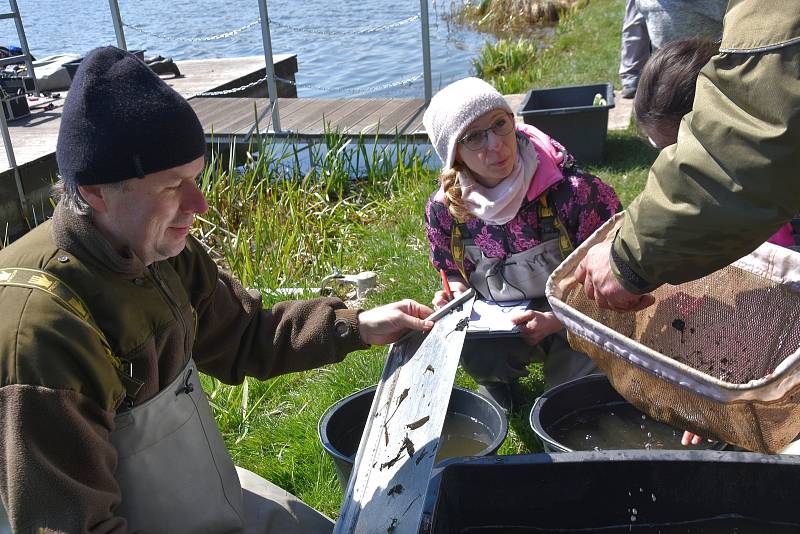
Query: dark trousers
{"points": [[505, 360]]}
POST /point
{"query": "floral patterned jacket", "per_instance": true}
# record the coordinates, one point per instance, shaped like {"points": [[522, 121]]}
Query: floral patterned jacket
{"points": [[583, 202]]}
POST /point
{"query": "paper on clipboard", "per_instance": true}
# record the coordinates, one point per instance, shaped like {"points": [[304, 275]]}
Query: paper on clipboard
{"points": [[494, 318]]}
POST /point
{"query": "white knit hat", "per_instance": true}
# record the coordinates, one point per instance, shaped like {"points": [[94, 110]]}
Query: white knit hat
{"points": [[454, 108]]}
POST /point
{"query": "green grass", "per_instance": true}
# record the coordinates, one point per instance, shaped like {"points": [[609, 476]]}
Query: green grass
{"points": [[584, 49], [274, 225]]}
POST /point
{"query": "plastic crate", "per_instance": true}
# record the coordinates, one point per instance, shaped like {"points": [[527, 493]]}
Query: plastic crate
{"points": [[615, 492], [568, 115]]}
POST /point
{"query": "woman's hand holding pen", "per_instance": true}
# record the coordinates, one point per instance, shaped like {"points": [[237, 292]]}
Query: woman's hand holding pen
{"points": [[534, 325], [450, 288]]}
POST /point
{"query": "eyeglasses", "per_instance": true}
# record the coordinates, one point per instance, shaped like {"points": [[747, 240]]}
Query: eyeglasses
{"points": [[477, 139]]}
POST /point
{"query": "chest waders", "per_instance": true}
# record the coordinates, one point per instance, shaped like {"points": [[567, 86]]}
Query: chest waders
{"points": [[518, 276], [171, 438], [497, 363]]}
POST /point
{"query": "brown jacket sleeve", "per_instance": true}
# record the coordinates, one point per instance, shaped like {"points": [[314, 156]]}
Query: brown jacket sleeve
{"points": [[731, 180], [236, 337], [57, 405]]}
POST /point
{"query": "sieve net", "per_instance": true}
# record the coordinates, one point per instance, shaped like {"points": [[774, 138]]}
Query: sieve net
{"points": [[719, 356]]}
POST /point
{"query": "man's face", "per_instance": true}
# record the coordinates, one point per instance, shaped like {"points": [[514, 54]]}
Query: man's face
{"points": [[152, 216]]}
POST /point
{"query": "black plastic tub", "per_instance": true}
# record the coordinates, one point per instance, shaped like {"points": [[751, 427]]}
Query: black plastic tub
{"points": [[342, 425], [612, 492], [591, 393], [568, 115]]}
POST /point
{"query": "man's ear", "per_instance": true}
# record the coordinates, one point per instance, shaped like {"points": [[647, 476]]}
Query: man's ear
{"points": [[93, 195]]}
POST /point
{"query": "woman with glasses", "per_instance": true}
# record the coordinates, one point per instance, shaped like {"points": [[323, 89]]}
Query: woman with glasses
{"points": [[511, 204]]}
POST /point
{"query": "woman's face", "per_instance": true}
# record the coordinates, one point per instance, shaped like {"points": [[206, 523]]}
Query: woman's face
{"points": [[492, 160]]}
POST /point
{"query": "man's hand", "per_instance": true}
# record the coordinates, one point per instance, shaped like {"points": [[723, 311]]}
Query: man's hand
{"points": [[386, 324], [534, 325], [601, 285], [690, 438]]}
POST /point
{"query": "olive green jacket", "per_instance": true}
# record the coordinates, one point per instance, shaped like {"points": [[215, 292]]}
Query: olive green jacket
{"points": [[59, 391], [732, 178]]}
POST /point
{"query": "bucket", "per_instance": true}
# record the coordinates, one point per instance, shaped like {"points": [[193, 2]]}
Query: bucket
{"points": [[479, 424], [588, 414]]}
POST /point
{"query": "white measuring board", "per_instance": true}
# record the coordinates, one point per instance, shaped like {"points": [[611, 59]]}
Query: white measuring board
{"points": [[397, 450]]}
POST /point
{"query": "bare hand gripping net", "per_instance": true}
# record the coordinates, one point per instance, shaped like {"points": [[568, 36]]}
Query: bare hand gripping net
{"points": [[719, 356]]}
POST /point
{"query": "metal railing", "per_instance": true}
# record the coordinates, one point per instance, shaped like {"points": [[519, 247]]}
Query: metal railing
{"points": [[264, 21], [28, 58]]}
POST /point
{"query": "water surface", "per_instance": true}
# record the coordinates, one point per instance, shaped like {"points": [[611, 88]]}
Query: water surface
{"points": [[327, 60]]}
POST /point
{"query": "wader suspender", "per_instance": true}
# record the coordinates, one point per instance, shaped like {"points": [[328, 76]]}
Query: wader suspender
{"points": [[67, 298], [549, 223]]}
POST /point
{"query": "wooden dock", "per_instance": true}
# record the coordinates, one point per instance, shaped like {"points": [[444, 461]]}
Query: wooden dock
{"points": [[234, 119]]}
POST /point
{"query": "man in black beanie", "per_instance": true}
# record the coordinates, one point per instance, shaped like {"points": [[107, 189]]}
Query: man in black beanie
{"points": [[112, 307]]}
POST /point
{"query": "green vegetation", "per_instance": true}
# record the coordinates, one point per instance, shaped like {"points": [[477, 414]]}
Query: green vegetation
{"points": [[584, 49], [506, 17]]}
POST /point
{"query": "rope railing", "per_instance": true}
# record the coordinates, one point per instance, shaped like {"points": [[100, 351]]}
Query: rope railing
{"points": [[370, 29], [405, 82], [251, 25], [203, 39]]}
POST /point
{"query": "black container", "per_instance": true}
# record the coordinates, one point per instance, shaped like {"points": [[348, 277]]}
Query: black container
{"points": [[579, 394], [567, 115], [342, 424], [615, 492], [72, 66], [15, 107]]}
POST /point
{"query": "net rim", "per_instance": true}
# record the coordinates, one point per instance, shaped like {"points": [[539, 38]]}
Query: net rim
{"points": [[768, 260]]}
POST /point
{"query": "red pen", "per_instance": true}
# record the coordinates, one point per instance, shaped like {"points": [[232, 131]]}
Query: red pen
{"points": [[446, 285]]}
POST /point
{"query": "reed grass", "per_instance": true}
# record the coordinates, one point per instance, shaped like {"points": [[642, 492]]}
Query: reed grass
{"points": [[291, 213], [506, 56], [506, 17]]}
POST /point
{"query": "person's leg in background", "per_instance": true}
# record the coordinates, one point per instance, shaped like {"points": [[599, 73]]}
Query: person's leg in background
{"points": [[634, 49], [497, 364], [562, 363]]}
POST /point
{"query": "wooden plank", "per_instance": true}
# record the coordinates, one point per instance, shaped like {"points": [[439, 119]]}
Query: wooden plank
{"points": [[396, 120], [332, 118], [345, 124], [287, 107], [376, 118], [396, 454], [316, 125], [300, 116], [216, 115]]}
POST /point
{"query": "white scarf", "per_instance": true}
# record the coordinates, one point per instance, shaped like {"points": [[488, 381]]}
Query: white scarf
{"points": [[499, 204]]}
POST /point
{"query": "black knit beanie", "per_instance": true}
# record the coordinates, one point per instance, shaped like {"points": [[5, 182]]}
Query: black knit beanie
{"points": [[120, 121]]}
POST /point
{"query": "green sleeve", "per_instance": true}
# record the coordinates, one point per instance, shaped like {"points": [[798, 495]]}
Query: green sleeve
{"points": [[730, 181]]}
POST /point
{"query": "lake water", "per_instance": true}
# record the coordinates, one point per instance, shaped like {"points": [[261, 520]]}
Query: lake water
{"points": [[334, 60]]}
